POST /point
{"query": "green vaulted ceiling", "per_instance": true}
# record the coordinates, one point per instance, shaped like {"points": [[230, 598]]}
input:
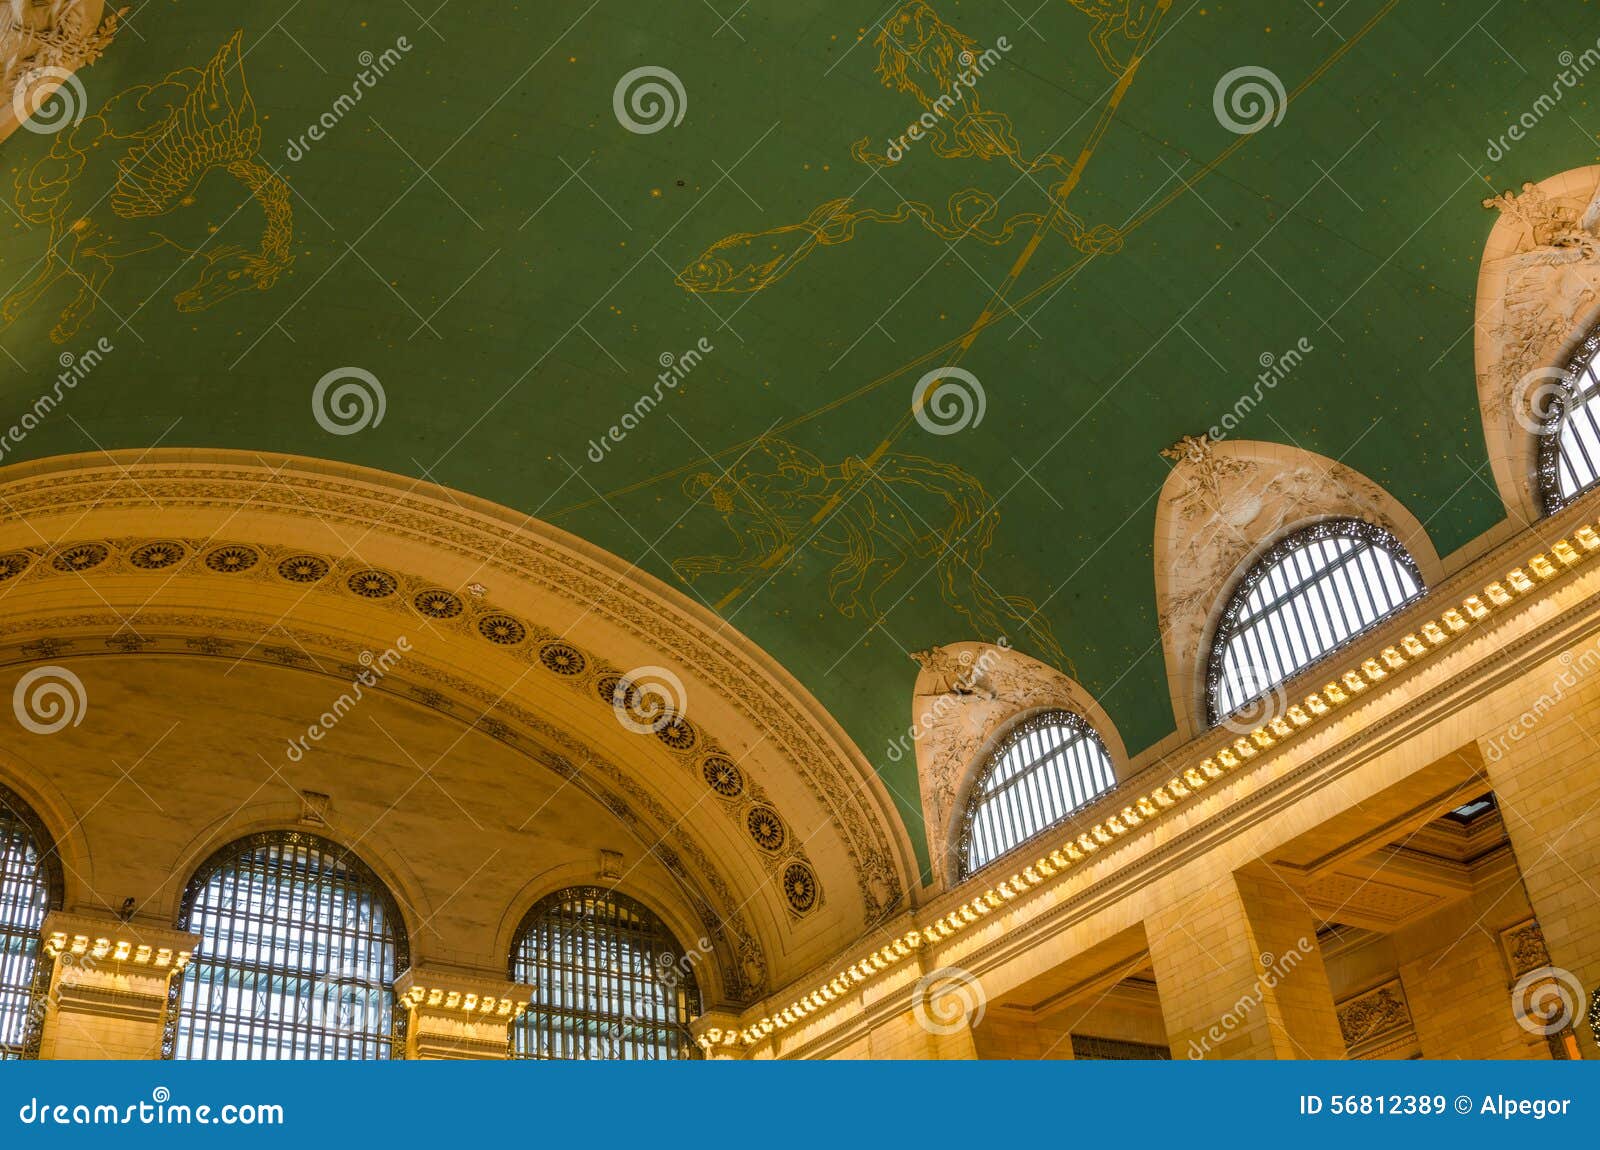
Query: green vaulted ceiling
{"points": [[1110, 262]]}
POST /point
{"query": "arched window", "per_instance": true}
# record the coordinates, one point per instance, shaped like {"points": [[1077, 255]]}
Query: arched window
{"points": [[608, 978], [1569, 445], [299, 944], [30, 887], [1311, 593], [1046, 767]]}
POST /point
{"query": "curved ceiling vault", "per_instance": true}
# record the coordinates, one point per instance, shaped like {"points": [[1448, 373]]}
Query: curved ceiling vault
{"points": [[772, 827], [698, 342]]}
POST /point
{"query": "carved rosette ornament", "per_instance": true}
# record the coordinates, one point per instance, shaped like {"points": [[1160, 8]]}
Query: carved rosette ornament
{"points": [[785, 729]]}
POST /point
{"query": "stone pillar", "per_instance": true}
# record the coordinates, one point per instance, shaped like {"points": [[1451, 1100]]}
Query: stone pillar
{"points": [[1240, 973], [1460, 968], [458, 1016], [111, 983], [921, 1037], [1547, 783]]}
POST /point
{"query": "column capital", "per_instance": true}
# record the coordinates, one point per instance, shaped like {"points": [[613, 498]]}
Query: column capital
{"points": [[459, 1014], [111, 984], [717, 1034]]}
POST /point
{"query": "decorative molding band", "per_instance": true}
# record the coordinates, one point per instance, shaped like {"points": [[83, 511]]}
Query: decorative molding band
{"points": [[502, 545], [742, 961], [455, 1016], [1381, 667], [741, 799], [89, 941]]}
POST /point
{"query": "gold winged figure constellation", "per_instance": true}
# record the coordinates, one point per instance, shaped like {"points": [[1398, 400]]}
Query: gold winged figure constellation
{"points": [[152, 145], [938, 65], [878, 518]]}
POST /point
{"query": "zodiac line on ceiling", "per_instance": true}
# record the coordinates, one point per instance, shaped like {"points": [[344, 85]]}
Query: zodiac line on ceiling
{"points": [[779, 499], [153, 145], [923, 56]]}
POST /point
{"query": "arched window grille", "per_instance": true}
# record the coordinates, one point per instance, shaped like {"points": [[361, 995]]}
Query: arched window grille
{"points": [[609, 981], [30, 887], [1046, 767], [299, 945], [1569, 445], [1311, 593]]}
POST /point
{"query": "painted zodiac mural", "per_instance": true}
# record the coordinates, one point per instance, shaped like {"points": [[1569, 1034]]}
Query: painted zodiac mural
{"points": [[780, 498], [1127, 20], [940, 67], [152, 145]]}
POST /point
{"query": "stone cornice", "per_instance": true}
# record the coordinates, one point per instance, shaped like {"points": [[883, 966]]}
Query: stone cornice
{"points": [[1530, 568], [516, 549], [230, 638]]}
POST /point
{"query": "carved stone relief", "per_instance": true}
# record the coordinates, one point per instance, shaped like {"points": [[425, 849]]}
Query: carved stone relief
{"points": [[965, 697], [523, 559], [1538, 292], [41, 43], [1372, 1022], [1222, 505]]}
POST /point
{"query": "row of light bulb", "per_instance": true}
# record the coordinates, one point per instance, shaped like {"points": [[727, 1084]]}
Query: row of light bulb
{"points": [[486, 1004], [1427, 638], [117, 950]]}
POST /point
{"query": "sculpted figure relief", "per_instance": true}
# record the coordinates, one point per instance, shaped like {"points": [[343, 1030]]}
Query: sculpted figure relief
{"points": [[1551, 282], [966, 695], [1538, 292]]}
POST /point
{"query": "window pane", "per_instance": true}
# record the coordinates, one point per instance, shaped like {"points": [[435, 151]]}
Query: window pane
{"points": [[27, 866], [1312, 593], [609, 981], [1569, 457], [1044, 769], [299, 943]]}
